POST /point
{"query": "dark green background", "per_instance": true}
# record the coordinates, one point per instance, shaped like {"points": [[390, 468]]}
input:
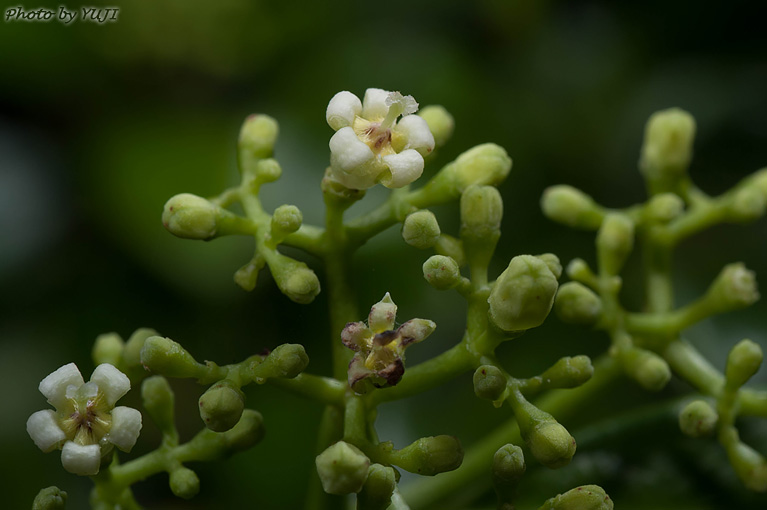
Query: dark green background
{"points": [[99, 125]]}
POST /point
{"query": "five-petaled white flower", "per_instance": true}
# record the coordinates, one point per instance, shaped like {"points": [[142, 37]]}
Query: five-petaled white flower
{"points": [[370, 146], [86, 423]]}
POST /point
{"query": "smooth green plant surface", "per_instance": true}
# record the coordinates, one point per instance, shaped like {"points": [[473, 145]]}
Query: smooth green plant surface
{"points": [[381, 140]]}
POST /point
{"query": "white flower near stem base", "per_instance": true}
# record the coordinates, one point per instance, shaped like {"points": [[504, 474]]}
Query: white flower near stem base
{"points": [[86, 424], [370, 145]]}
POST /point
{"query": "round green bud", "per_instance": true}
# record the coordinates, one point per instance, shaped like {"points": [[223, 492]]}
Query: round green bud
{"points": [[285, 361], [667, 148], [647, 368], [343, 468], [508, 465], [440, 123], [551, 444], [258, 135], [378, 489], [50, 498], [248, 432], [431, 455], [166, 357], [481, 212], [743, 362], [184, 483], [568, 372], [577, 304], [735, 287], [523, 294], [421, 230], [295, 280], [748, 203], [286, 220], [586, 497], [759, 180], [572, 207], [698, 419], [579, 270], [489, 382], [441, 272], [553, 262], [132, 352], [158, 400], [108, 348], [221, 406], [247, 276], [664, 207], [615, 240], [189, 216], [486, 164], [268, 170]]}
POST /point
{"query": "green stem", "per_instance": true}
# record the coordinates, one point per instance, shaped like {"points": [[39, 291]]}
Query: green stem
{"points": [[321, 389]]}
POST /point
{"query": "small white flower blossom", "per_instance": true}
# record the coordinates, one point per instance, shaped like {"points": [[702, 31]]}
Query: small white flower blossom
{"points": [[370, 145], [86, 424]]}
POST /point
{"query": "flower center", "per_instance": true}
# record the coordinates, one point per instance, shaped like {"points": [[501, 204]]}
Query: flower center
{"points": [[85, 418]]}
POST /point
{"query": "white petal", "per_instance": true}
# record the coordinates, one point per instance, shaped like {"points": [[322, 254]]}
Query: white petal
{"points": [[405, 167], [113, 383], [348, 152], [417, 133], [126, 425], [55, 385], [342, 109], [79, 459], [374, 105], [44, 430]]}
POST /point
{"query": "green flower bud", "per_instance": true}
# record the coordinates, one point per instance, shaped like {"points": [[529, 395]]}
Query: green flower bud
{"points": [[750, 466], [577, 304], [580, 271], [698, 419], [257, 136], [440, 123], [430, 456], [50, 498], [208, 445], [285, 361], [221, 406], [247, 276], [441, 272], [553, 262], [451, 247], [551, 444], [421, 230], [742, 363], [508, 465], [267, 170], [523, 294], [343, 468], [184, 483], [295, 279], [489, 382], [158, 400], [286, 220], [759, 180], [132, 352], [647, 368], [568, 372], [586, 497], [108, 348], [572, 207], [190, 217], [378, 489], [486, 164], [747, 204], [615, 240], [166, 357], [667, 147], [481, 213], [735, 287], [664, 207]]}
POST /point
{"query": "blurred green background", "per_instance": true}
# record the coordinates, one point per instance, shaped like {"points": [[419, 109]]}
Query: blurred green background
{"points": [[99, 125]]}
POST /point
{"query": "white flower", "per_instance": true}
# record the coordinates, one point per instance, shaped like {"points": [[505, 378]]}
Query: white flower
{"points": [[86, 423], [370, 146]]}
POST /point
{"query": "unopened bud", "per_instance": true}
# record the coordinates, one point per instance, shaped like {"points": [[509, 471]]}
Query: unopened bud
{"points": [[523, 294], [421, 230], [486, 164], [285, 361], [508, 465], [247, 276], [553, 262], [158, 400], [735, 287], [698, 419], [742, 363], [551, 444], [50, 498], [748, 203], [286, 220], [295, 280], [189, 216], [579, 270], [568, 372], [221, 406], [378, 489], [267, 170], [343, 468], [572, 207], [586, 497], [664, 207], [108, 348], [184, 483], [132, 351], [667, 147], [615, 240], [577, 304], [647, 368], [440, 123], [481, 212], [441, 272], [257, 136], [431, 455], [749, 464], [166, 357], [489, 382]]}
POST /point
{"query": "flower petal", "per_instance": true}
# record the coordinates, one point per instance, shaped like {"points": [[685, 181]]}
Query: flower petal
{"points": [[342, 109], [417, 132], [415, 330], [348, 152], [374, 105], [113, 383], [392, 373], [404, 168], [126, 426], [79, 459], [382, 315], [44, 430], [356, 336], [55, 385], [358, 372]]}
